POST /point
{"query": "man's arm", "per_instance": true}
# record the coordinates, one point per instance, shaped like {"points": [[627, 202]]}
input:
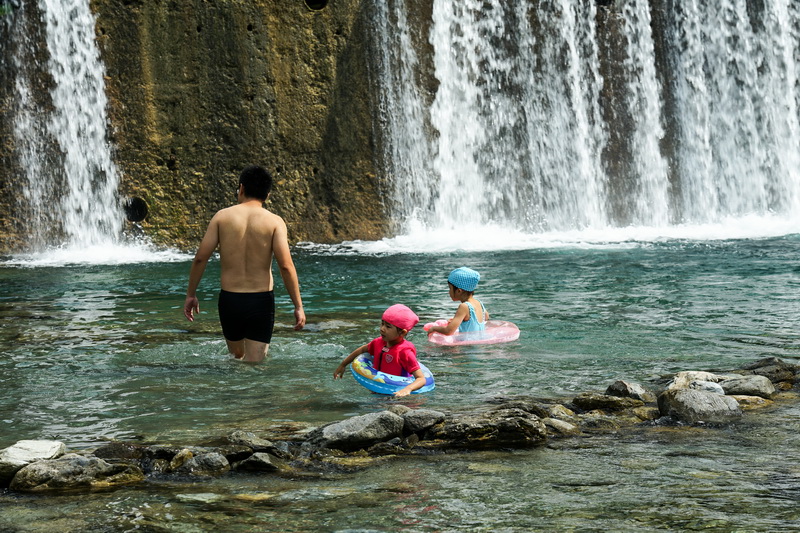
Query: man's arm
{"points": [[207, 247], [283, 256]]}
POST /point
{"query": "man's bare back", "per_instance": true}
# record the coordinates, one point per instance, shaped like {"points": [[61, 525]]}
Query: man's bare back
{"points": [[245, 246], [248, 237]]}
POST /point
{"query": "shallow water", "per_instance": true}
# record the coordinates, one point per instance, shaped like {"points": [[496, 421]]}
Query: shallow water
{"points": [[97, 352]]}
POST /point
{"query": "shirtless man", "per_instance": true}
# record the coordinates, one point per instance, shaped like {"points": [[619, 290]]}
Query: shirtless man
{"points": [[248, 237]]}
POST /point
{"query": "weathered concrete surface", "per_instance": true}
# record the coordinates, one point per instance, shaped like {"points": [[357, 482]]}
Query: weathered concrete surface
{"points": [[198, 90]]}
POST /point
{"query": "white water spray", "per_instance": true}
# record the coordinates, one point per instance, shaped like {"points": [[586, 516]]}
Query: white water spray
{"points": [[737, 107]]}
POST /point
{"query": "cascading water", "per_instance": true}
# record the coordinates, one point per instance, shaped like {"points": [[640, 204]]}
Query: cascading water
{"points": [[69, 178], [564, 184], [524, 132], [648, 196], [736, 94], [407, 156]]}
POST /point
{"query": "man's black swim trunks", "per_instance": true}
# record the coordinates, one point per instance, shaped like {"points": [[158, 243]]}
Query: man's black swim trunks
{"points": [[247, 315]]}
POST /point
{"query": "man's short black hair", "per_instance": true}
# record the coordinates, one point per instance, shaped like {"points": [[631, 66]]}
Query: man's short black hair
{"points": [[257, 182]]}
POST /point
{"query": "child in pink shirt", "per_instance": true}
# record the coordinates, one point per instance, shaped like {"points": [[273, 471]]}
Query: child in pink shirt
{"points": [[391, 352]]}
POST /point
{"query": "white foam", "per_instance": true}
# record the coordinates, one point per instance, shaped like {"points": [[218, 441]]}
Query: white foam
{"points": [[110, 254], [496, 238]]}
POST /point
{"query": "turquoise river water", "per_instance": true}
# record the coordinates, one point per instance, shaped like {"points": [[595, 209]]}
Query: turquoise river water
{"points": [[92, 352]]}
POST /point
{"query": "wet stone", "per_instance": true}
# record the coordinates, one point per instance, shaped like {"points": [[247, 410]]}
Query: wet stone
{"points": [[206, 464], [592, 401], [74, 471], [25, 452]]}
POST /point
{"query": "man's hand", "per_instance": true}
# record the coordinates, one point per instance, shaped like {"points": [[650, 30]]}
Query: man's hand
{"points": [[190, 307], [299, 319]]}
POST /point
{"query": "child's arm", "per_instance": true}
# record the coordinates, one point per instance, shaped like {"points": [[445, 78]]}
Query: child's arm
{"points": [[418, 383], [339, 372], [461, 313]]}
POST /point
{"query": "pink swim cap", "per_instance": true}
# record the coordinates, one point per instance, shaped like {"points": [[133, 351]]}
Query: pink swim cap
{"points": [[400, 316]]}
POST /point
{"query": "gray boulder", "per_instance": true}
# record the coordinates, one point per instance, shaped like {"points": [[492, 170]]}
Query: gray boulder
{"points": [[180, 458], [246, 438], [421, 419], [625, 389], [74, 471], [501, 428], [120, 450], [25, 452], [560, 427], [692, 406], [749, 386], [773, 369], [707, 386], [560, 412], [260, 462], [681, 380], [358, 432], [205, 464]]}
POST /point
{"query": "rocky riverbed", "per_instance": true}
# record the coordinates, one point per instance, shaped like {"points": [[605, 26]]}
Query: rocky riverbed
{"points": [[684, 399]]}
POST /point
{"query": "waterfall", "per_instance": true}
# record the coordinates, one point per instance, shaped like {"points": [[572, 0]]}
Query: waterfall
{"points": [[564, 184], [555, 115], [406, 155], [737, 93], [67, 173], [648, 197]]}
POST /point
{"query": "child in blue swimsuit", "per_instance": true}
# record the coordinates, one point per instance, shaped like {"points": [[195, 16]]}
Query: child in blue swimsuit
{"points": [[471, 315]]}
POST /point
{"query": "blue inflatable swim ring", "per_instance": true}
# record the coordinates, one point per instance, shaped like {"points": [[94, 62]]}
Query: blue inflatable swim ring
{"points": [[384, 383]]}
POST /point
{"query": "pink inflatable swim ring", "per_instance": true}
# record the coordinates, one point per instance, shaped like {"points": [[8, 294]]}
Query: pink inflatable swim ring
{"points": [[496, 331]]}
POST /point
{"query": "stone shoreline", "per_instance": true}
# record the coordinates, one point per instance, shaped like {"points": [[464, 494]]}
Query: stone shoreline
{"points": [[687, 398]]}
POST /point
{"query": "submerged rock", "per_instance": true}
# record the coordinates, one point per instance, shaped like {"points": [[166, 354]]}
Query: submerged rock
{"points": [[25, 452], [591, 401], [74, 471]]}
